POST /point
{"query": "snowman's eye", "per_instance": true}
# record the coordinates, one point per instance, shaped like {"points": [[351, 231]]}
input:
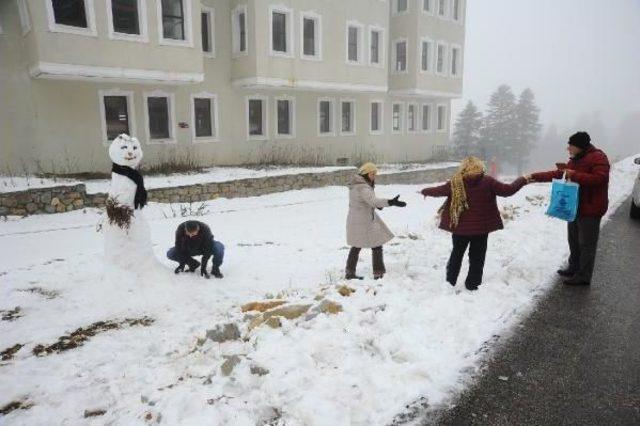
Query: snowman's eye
{"points": [[123, 147], [135, 147]]}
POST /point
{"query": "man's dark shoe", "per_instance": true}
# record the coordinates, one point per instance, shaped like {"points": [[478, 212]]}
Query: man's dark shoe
{"points": [[193, 266], [566, 272], [215, 271], [353, 276], [471, 287], [576, 282]]}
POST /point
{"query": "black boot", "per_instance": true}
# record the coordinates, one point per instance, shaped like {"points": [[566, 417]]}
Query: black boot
{"points": [[352, 262], [193, 265], [352, 276], [378, 263], [215, 271], [566, 272]]}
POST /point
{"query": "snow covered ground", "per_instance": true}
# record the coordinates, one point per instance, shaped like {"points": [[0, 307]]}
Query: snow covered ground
{"points": [[407, 336]]}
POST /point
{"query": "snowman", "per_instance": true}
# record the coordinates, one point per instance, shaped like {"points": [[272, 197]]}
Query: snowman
{"points": [[129, 257]]}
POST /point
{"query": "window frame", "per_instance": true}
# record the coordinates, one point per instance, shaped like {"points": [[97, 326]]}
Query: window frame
{"points": [[444, 129], [89, 31], [445, 59], [188, 26], [413, 105], [381, 46], [445, 15], [25, 17], [332, 113], [400, 130], [130, 111], [235, 31], [431, 11], [288, 31], [458, 74], [265, 117], [212, 30], [396, 12], [317, 34], [360, 42], [143, 26], [460, 19], [395, 54], [431, 127], [430, 58], [353, 130], [380, 130], [214, 118], [292, 116], [172, 117]]}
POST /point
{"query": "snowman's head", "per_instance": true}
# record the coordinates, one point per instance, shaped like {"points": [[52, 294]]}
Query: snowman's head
{"points": [[125, 151]]}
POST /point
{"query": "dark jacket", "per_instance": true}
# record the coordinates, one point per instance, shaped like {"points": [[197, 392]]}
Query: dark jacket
{"points": [[482, 216], [201, 244], [592, 174]]}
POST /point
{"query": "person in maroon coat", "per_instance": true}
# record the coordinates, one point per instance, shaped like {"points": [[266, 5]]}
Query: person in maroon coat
{"points": [[470, 213], [589, 167]]}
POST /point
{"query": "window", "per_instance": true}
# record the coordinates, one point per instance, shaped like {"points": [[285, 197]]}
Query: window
{"points": [[376, 46], [257, 117], [159, 114], [126, 20], [375, 127], [455, 61], [325, 117], [411, 118], [285, 117], [400, 56], [69, 16], [455, 13], [116, 112], [239, 26], [348, 114], [426, 53], [442, 118], [442, 8], [402, 6], [396, 118], [311, 36], [354, 42], [173, 19], [204, 114], [23, 11], [426, 117], [208, 26], [440, 59], [427, 6], [281, 30]]}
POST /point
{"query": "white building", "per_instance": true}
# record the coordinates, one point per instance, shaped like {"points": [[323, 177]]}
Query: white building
{"points": [[227, 81]]}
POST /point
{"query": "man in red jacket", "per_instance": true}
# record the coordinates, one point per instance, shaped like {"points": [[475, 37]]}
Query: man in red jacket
{"points": [[588, 167]]}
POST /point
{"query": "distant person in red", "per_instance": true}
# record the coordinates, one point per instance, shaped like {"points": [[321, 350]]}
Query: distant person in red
{"points": [[589, 167], [493, 167]]}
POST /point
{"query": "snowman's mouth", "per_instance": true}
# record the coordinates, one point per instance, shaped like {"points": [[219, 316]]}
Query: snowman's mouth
{"points": [[130, 158]]}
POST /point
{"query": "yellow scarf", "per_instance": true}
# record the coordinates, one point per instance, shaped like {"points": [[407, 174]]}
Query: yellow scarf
{"points": [[470, 166]]}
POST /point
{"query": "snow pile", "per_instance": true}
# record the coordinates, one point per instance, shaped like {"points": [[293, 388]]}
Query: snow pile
{"points": [[406, 337]]}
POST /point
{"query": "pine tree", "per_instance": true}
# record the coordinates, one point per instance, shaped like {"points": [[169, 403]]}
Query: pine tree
{"points": [[467, 130], [527, 116], [499, 128]]}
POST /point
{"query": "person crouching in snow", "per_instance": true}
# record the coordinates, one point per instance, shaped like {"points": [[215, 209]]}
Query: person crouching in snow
{"points": [[365, 229], [194, 238], [470, 213]]}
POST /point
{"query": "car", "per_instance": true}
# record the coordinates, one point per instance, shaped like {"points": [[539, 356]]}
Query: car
{"points": [[635, 197]]}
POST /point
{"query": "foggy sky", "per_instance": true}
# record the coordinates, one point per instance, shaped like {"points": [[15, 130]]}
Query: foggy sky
{"points": [[578, 56]]}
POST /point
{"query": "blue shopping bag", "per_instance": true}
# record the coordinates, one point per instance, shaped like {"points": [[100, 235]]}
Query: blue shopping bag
{"points": [[564, 199]]}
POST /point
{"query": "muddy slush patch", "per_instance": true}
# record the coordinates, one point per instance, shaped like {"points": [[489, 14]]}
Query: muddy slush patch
{"points": [[15, 405], [83, 334], [8, 353], [48, 294], [11, 315]]}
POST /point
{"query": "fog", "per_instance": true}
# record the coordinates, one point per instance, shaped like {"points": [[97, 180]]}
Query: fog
{"points": [[581, 58]]}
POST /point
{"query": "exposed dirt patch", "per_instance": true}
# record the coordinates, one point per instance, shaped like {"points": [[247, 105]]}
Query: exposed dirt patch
{"points": [[49, 294], [8, 353], [15, 405], [94, 413], [83, 334], [12, 314]]}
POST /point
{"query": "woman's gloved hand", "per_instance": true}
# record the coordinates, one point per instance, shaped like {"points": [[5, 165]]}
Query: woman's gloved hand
{"points": [[396, 202]]}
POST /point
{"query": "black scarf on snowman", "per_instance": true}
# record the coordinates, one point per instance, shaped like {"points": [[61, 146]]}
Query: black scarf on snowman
{"points": [[140, 199]]}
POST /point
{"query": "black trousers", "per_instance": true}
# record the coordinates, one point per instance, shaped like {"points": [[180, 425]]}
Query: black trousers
{"points": [[583, 236], [377, 258], [477, 253]]}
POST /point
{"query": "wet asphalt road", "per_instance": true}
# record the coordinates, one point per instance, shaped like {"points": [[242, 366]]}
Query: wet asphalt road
{"points": [[576, 359]]}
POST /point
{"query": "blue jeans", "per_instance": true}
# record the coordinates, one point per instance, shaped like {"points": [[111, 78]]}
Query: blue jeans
{"points": [[218, 255]]}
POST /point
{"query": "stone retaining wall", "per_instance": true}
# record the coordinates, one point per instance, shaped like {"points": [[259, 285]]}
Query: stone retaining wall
{"points": [[66, 198]]}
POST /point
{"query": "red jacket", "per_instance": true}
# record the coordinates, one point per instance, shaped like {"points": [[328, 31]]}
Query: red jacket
{"points": [[483, 215], [592, 174]]}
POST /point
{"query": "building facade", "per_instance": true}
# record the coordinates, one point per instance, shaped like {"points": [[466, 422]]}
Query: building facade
{"points": [[227, 82]]}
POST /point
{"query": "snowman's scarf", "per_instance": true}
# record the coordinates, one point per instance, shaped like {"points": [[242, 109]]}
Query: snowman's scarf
{"points": [[140, 199]]}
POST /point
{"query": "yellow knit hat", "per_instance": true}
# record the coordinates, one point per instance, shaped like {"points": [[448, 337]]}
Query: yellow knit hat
{"points": [[367, 168]]}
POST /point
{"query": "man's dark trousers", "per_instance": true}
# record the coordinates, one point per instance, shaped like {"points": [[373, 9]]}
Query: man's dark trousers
{"points": [[477, 253], [583, 242]]}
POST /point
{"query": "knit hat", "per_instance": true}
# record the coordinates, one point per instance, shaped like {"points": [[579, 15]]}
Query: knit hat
{"points": [[580, 140], [367, 168]]}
